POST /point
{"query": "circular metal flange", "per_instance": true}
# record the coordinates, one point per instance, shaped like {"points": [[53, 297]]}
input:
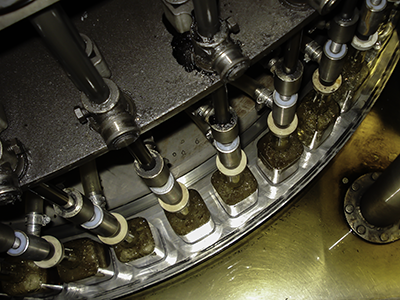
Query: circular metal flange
{"points": [[365, 230]]}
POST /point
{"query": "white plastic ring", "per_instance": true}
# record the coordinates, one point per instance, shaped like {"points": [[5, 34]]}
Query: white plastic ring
{"points": [[179, 206], [282, 132], [57, 256], [123, 231], [233, 172]]}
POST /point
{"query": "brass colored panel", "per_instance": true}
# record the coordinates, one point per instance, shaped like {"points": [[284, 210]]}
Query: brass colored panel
{"points": [[307, 250]]}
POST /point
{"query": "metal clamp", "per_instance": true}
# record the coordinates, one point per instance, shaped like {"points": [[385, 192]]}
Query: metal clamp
{"points": [[220, 54]]}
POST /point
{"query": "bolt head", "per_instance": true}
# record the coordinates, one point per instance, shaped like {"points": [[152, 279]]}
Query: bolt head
{"points": [[361, 229], [80, 115], [355, 186], [349, 208], [15, 147], [232, 25]]}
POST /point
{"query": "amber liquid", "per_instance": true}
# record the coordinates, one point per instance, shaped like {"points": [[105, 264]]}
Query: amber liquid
{"points": [[317, 113], [354, 73]]}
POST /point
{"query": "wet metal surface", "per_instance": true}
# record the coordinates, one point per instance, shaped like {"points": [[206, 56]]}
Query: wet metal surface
{"points": [[307, 251], [39, 98]]}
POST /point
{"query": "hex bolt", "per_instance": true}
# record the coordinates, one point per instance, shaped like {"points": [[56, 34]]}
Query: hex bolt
{"points": [[355, 186], [345, 180], [349, 208], [232, 25], [361, 229], [81, 115], [15, 147]]}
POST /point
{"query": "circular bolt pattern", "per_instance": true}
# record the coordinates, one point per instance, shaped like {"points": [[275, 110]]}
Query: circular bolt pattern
{"points": [[361, 229]]}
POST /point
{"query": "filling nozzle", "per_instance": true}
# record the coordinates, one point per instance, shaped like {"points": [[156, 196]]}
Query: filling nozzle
{"points": [[150, 166], [46, 251], [372, 14], [111, 228]]}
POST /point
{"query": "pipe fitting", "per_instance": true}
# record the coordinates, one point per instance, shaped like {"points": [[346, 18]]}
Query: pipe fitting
{"points": [[341, 30], [229, 154], [158, 175], [219, 54], [170, 193], [178, 13], [114, 118], [35, 221], [287, 84], [30, 247], [13, 163], [284, 109], [312, 52], [224, 133], [332, 61], [372, 14], [102, 223], [80, 212]]}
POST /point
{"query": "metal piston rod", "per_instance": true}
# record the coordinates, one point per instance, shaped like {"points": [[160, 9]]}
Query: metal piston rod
{"points": [[380, 204]]}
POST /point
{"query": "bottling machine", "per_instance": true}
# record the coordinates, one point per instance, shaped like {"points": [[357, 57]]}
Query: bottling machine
{"points": [[140, 138]]}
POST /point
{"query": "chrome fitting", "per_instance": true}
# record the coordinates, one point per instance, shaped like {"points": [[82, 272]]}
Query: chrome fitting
{"points": [[102, 223], [114, 118], [12, 167], [312, 52], [332, 61], [341, 31], [224, 133], [160, 180], [179, 14], [81, 210], [263, 97], [35, 221], [287, 84], [219, 54], [229, 154], [157, 176], [372, 13], [284, 109], [30, 247]]}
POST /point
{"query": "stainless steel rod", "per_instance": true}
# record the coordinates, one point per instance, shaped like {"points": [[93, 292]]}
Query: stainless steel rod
{"points": [[206, 14], [380, 204], [66, 45], [221, 105]]}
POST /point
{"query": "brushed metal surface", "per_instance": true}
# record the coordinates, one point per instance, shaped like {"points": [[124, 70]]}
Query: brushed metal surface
{"points": [[307, 250]]}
